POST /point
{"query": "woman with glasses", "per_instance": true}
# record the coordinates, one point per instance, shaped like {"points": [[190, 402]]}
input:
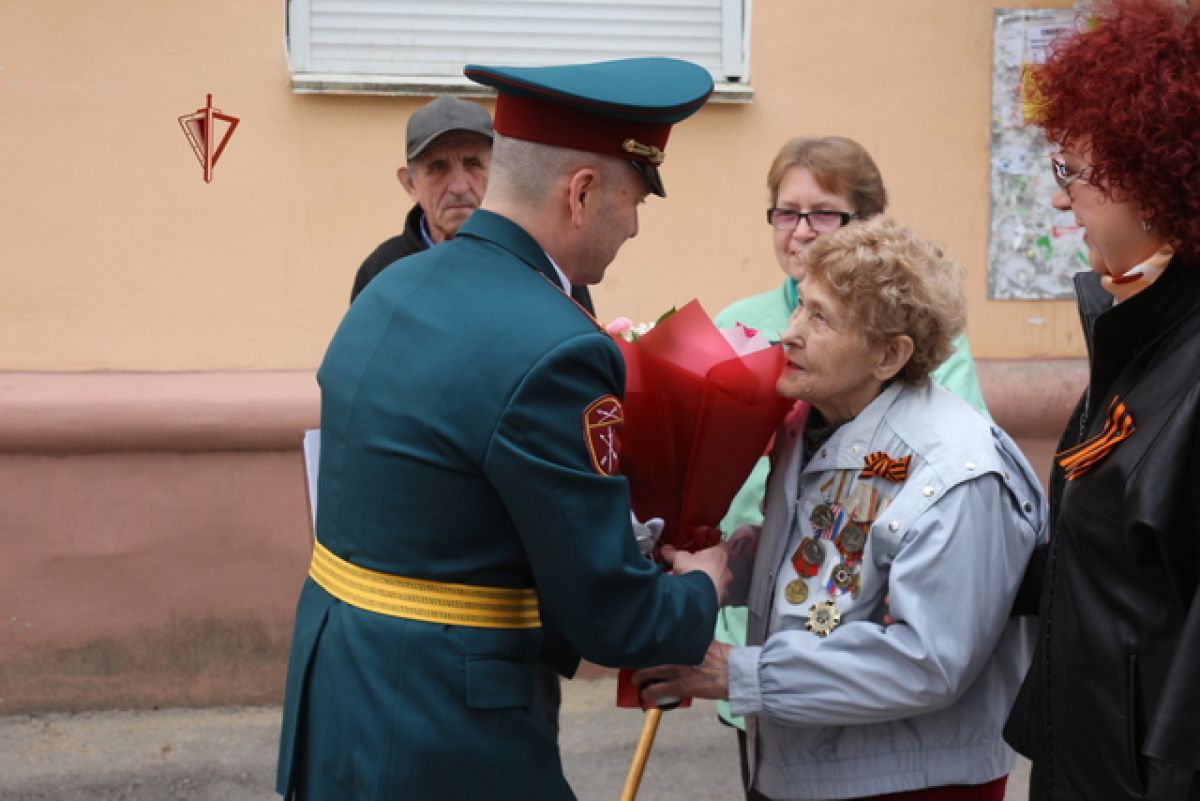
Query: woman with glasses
{"points": [[1110, 708], [816, 186], [888, 495]]}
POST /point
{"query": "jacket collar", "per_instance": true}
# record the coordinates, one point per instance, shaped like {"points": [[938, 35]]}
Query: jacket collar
{"points": [[1129, 328], [1092, 301], [848, 446], [790, 297], [413, 233], [503, 232]]}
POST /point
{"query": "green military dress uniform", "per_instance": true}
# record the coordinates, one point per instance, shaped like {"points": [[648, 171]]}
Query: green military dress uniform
{"points": [[467, 408], [453, 449]]}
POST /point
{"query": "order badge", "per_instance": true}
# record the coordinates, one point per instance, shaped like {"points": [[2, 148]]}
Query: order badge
{"points": [[841, 577], [823, 618]]}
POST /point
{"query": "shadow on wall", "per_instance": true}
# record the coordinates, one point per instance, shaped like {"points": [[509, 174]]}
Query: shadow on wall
{"points": [[188, 662]]}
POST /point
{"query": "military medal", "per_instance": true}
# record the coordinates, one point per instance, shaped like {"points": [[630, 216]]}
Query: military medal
{"points": [[823, 618], [826, 518], [808, 557], [813, 551], [796, 591], [852, 539], [821, 517], [842, 577]]}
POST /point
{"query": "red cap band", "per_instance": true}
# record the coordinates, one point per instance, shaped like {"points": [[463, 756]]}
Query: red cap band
{"points": [[553, 123]]}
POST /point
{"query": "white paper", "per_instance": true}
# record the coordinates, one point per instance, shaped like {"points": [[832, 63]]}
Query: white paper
{"points": [[743, 341], [312, 461]]}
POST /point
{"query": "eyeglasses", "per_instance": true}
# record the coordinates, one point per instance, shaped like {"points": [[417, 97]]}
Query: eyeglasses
{"points": [[1064, 176], [820, 221]]}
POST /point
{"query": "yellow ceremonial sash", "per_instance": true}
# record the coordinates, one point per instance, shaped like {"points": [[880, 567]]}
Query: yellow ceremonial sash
{"points": [[422, 599]]}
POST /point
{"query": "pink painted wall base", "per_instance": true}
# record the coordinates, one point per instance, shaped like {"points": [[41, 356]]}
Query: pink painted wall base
{"points": [[155, 528]]}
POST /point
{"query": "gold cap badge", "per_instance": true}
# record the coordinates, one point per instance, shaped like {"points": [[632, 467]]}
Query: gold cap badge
{"points": [[651, 153]]}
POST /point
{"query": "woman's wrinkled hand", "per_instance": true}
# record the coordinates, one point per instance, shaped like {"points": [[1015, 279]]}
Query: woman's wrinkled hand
{"points": [[709, 679]]}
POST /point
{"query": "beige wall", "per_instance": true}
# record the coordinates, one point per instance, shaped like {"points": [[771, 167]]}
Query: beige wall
{"points": [[155, 512], [117, 256]]}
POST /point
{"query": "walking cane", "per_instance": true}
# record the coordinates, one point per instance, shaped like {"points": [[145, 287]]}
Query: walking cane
{"points": [[641, 754]]}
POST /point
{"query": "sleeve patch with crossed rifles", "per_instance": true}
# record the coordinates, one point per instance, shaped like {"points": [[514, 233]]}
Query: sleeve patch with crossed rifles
{"points": [[602, 420]]}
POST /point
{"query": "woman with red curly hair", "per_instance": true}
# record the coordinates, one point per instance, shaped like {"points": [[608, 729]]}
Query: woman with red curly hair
{"points": [[1110, 708]]}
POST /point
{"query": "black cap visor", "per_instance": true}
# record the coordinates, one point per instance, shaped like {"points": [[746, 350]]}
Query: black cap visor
{"points": [[650, 173]]}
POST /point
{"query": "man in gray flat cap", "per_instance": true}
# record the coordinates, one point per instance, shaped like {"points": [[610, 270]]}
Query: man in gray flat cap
{"points": [[448, 150]]}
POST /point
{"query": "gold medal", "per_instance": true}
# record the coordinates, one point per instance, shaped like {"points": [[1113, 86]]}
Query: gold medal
{"points": [[823, 618], [796, 591]]}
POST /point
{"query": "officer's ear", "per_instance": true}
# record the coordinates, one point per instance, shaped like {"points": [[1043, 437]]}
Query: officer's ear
{"points": [[406, 180], [582, 194]]}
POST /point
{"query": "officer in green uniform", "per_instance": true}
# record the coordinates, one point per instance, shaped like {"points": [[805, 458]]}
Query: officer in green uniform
{"points": [[472, 519]]}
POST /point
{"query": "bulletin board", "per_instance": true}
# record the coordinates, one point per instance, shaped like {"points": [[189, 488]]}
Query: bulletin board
{"points": [[1033, 250]]}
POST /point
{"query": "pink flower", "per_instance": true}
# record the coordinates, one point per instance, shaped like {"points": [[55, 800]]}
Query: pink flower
{"points": [[621, 325]]}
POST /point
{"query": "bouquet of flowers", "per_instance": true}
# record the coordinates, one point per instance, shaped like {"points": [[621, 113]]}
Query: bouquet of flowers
{"points": [[700, 409]]}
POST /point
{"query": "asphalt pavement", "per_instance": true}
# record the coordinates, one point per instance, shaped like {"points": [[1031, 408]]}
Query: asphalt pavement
{"points": [[228, 754]]}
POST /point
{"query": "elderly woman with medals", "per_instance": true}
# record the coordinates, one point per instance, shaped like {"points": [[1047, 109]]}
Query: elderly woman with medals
{"points": [[888, 495]]}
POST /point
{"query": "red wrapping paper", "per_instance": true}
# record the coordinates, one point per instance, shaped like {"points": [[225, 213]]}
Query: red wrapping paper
{"points": [[697, 418]]}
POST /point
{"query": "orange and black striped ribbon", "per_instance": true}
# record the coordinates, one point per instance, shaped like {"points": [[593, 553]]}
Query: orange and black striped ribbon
{"points": [[1083, 457], [884, 466]]}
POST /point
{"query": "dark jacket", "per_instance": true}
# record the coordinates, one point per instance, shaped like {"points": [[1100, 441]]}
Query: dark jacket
{"points": [[411, 242], [459, 443], [1110, 708], [392, 250]]}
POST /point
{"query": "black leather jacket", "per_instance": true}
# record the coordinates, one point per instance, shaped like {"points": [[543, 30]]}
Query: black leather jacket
{"points": [[1110, 708]]}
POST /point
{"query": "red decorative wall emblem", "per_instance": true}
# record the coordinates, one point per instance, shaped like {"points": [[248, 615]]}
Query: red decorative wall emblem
{"points": [[208, 131], [602, 420]]}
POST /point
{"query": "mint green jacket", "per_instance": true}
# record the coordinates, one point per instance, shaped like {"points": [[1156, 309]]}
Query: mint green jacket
{"points": [[769, 312]]}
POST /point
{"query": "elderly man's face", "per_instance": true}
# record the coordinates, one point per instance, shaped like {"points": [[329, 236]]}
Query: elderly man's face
{"points": [[448, 181]]}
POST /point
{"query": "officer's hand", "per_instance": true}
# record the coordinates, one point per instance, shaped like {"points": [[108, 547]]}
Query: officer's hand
{"points": [[714, 562]]}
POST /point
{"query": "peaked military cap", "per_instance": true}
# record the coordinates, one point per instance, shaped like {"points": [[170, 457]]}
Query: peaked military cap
{"points": [[623, 108]]}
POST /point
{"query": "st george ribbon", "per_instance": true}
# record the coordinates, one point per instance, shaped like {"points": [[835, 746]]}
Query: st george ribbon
{"points": [[200, 128]]}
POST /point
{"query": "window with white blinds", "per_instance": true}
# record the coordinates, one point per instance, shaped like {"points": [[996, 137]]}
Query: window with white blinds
{"points": [[420, 46]]}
